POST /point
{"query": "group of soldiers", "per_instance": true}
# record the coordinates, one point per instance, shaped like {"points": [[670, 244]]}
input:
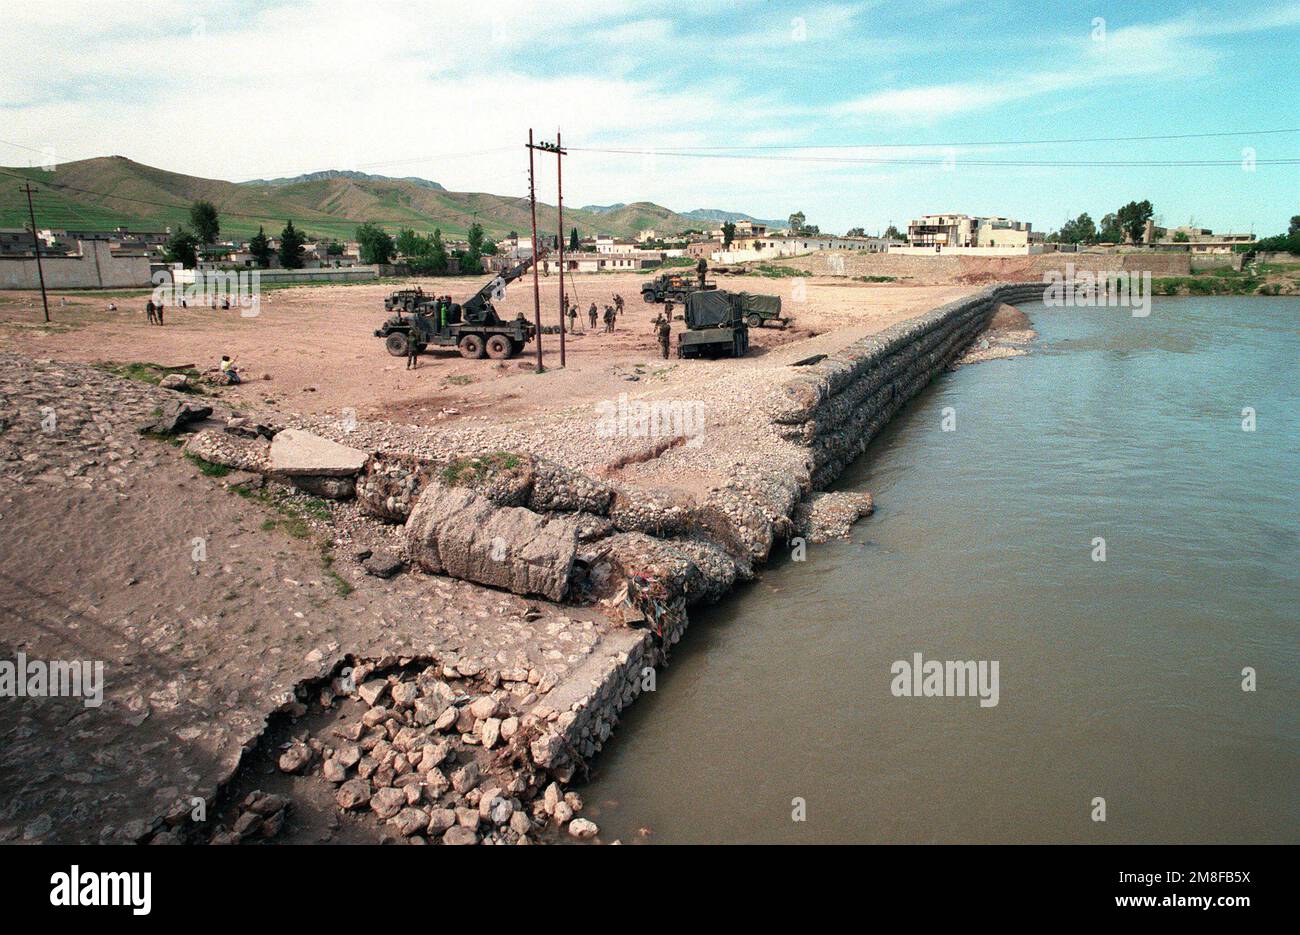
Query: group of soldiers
{"points": [[610, 316]]}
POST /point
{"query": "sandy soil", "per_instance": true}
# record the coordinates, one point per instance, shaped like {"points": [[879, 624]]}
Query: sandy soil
{"points": [[317, 343]]}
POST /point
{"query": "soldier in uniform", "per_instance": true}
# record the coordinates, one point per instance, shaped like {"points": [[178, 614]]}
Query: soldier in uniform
{"points": [[701, 268], [668, 309], [618, 304], [573, 319], [664, 328], [591, 316], [413, 345], [609, 319], [150, 312]]}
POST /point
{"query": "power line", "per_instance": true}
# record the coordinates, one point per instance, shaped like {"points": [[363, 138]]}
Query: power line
{"points": [[886, 160], [1093, 139]]}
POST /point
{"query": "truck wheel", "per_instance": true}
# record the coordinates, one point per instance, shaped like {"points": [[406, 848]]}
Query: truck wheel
{"points": [[396, 344], [649, 298], [471, 347], [499, 347], [754, 321]]}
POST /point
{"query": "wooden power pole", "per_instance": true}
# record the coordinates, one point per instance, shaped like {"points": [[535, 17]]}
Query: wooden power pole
{"points": [[537, 289], [36, 245], [559, 201]]}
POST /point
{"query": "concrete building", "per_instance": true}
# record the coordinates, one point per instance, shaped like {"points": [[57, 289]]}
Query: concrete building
{"points": [[744, 231], [1193, 239], [768, 248], [608, 262], [17, 241], [94, 266], [943, 231]]}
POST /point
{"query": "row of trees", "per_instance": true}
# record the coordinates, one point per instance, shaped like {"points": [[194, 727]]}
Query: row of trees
{"points": [[1128, 223], [428, 255]]}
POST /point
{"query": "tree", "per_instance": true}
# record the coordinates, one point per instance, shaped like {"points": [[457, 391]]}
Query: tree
{"points": [[260, 247], [1078, 230], [574, 244], [1133, 219], [182, 247], [437, 253], [728, 233], [410, 244], [291, 241], [1110, 230], [471, 259], [856, 232], [1295, 226], [893, 233], [1181, 237], [203, 215], [796, 222], [376, 246]]}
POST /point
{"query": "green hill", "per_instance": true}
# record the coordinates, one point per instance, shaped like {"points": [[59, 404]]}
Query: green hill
{"points": [[113, 191]]}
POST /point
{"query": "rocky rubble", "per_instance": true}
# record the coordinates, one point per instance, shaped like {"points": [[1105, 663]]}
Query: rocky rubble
{"points": [[430, 754], [826, 516]]}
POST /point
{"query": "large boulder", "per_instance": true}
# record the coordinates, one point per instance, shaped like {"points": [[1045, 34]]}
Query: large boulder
{"points": [[174, 416], [294, 451], [455, 531]]}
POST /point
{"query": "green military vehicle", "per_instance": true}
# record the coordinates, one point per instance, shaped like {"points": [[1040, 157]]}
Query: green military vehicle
{"points": [[760, 309], [715, 325], [473, 328], [672, 287]]}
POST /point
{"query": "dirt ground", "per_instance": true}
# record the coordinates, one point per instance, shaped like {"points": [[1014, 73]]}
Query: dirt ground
{"points": [[316, 343]]}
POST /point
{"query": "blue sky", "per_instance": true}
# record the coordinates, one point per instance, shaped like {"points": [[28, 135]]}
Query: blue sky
{"points": [[447, 92]]}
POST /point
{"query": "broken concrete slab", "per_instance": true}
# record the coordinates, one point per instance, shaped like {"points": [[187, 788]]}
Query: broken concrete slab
{"points": [[294, 451], [455, 531]]}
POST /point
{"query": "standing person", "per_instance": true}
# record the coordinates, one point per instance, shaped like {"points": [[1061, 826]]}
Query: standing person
{"points": [[618, 304], [412, 346], [573, 320], [158, 310], [668, 309], [609, 319], [701, 268], [151, 312], [665, 336], [591, 314]]}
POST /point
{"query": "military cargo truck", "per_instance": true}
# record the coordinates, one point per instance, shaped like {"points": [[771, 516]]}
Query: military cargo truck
{"points": [[672, 287], [715, 325], [760, 309], [472, 327]]}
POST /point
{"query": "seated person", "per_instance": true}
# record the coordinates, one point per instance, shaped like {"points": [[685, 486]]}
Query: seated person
{"points": [[228, 370]]}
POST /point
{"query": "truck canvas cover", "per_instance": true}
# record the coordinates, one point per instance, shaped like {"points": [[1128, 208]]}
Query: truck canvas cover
{"points": [[708, 309], [766, 305]]}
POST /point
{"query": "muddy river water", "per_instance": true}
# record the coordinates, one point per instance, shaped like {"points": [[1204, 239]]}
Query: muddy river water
{"points": [[1118, 680]]}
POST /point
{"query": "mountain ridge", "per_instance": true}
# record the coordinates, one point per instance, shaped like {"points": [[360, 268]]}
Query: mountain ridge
{"points": [[110, 191]]}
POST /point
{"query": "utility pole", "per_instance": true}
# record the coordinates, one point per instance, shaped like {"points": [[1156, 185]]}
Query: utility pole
{"points": [[559, 183], [36, 244], [537, 289]]}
